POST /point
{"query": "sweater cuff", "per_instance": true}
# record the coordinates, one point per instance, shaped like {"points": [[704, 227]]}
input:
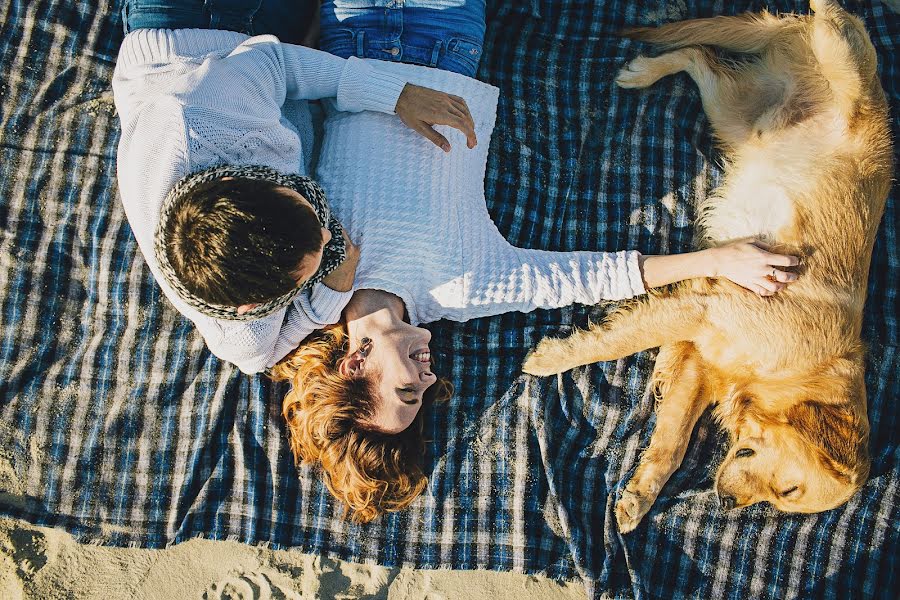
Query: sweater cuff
{"points": [[326, 305], [633, 268], [363, 87]]}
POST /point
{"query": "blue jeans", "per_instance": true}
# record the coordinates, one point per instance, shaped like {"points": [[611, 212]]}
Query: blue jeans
{"points": [[286, 19], [446, 34]]}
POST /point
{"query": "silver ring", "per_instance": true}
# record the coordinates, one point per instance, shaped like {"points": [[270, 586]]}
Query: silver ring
{"points": [[773, 273]]}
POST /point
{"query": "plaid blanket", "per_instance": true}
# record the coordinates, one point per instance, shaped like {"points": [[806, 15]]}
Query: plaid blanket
{"points": [[120, 427]]}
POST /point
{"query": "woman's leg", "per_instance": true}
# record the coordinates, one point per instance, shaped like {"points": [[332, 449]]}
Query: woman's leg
{"points": [[443, 34], [287, 19]]}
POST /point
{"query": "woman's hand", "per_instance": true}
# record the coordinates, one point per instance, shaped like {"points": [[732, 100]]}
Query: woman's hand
{"points": [[751, 265], [421, 108], [341, 279]]}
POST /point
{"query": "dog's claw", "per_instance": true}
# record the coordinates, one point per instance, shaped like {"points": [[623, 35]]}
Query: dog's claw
{"points": [[547, 359], [630, 510], [636, 74]]}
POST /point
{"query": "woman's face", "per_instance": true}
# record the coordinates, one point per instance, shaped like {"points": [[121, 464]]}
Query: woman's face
{"points": [[400, 361]]}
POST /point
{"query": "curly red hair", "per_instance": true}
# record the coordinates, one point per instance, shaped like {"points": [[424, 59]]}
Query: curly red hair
{"points": [[326, 414]]}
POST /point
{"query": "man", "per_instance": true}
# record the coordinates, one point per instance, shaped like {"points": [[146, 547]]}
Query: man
{"points": [[229, 243]]}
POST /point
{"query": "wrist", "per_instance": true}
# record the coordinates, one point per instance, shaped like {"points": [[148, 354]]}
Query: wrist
{"points": [[710, 264]]}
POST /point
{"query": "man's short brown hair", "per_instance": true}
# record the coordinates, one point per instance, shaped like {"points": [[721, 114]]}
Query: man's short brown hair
{"points": [[236, 241]]}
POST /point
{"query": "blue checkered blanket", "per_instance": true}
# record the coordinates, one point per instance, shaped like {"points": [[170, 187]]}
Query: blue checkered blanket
{"points": [[120, 427]]}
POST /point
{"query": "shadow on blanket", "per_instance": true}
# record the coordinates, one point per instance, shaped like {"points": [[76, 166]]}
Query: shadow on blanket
{"points": [[129, 427]]}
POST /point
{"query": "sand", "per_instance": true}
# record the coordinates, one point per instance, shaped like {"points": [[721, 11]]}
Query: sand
{"points": [[45, 564]]}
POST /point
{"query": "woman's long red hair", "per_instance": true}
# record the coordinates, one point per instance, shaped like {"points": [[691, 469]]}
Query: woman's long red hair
{"points": [[326, 413]]}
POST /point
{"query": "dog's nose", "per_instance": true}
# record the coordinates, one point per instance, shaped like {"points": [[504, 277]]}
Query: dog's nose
{"points": [[727, 502]]}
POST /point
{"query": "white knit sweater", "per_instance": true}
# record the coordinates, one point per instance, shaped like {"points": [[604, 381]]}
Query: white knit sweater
{"points": [[191, 99], [424, 232]]}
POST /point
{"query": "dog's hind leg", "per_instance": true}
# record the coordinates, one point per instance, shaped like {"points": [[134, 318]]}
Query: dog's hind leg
{"points": [[677, 383], [648, 323], [720, 88]]}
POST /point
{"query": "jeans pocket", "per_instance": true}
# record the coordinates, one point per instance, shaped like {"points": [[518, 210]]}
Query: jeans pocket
{"points": [[463, 56], [340, 42]]}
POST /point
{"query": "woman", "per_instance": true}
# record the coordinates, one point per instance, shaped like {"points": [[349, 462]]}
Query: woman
{"points": [[429, 251]]}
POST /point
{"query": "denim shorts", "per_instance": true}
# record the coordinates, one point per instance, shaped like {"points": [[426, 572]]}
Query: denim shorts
{"points": [[445, 34], [286, 19]]}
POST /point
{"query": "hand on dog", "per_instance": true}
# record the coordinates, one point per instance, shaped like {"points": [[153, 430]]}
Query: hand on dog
{"points": [[420, 108], [751, 265]]}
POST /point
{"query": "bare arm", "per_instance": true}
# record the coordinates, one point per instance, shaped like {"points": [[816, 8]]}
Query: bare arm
{"points": [[748, 264]]}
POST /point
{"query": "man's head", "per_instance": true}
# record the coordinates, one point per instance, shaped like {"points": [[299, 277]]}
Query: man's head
{"points": [[235, 241]]}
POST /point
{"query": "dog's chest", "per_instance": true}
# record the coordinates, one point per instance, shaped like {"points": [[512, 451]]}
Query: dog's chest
{"points": [[753, 202], [764, 181]]}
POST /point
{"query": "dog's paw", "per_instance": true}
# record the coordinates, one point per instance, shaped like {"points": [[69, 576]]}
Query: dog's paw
{"points": [[630, 509], [549, 358], [637, 74]]}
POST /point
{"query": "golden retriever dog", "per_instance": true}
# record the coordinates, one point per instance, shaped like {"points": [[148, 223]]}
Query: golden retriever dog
{"points": [[803, 125]]}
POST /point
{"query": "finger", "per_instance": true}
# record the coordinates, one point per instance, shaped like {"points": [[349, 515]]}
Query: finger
{"points": [[757, 289], [761, 244], [769, 285], [784, 276], [436, 138], [763, 291], [781, 260], [461, 104], [469, 121], [467, 126]]}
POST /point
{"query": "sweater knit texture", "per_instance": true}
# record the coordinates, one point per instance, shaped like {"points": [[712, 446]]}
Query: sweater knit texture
{"points": [[190, 99], [420, 219]]}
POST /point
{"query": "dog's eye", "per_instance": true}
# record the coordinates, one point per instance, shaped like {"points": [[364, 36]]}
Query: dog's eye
{"points": [[744, 453], [788, 492]]}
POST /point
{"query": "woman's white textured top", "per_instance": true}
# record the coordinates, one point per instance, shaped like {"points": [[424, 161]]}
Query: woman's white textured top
{"points": [[420, 218]]}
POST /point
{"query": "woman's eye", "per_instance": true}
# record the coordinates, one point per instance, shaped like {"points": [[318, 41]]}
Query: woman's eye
{"points": [[744, 453], [788, 492]]}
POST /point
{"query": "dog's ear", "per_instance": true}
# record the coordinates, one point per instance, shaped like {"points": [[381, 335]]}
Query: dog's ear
{"points": [[837, 433]]}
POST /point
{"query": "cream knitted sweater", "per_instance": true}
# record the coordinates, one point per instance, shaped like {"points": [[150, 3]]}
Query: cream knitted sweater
{"points": [[424, 232], [190, 99]]}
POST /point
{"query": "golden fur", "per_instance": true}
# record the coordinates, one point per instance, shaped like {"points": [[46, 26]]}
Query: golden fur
{"points": [[805, 135], [369, 471]]}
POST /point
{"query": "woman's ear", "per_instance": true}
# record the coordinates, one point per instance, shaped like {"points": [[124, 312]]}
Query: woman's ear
{"points": [[351, 365]]}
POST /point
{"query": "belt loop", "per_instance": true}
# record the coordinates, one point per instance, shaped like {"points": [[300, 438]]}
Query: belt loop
{"points": [[436, 53], [125, 16], [360, 43]]}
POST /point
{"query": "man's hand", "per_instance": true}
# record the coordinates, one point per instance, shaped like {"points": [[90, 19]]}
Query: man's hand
{"points": [[420, 108], [341, 279]]}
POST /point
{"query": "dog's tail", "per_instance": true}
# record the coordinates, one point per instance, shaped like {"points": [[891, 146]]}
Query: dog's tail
{"points": [[742, 33]]}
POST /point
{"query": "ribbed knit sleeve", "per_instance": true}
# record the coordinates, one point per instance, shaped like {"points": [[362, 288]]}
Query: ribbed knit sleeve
{"points": [[517, 279], [254, 346], [357, 86], [310, 311]]}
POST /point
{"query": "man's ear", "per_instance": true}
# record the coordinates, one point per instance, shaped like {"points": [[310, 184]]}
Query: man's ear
{"points": [[351, 366], [246, 307]]}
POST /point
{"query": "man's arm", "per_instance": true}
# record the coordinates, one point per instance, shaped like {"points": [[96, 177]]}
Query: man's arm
{"points": [[253, 346], [358, 85]]}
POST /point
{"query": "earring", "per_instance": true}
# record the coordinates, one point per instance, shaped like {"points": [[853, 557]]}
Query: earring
{"points": [[364, 346]]}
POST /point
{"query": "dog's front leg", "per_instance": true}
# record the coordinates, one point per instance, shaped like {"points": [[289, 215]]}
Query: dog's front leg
{"points": [[651, 322], [677, 380]]}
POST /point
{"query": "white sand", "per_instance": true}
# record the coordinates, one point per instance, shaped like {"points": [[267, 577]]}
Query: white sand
{"points": [[45, 564]]}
